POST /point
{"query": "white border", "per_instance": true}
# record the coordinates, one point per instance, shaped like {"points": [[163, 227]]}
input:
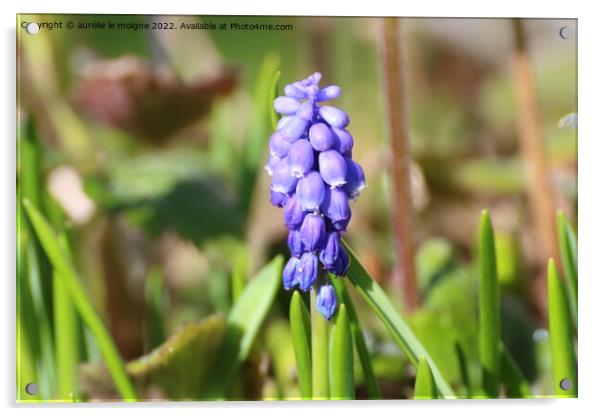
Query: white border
{"points": [[590, 207]]}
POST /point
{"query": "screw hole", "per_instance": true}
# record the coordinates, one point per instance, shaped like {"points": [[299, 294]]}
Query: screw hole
{"points": [[32, 28], [566, 384], [31, 389]]}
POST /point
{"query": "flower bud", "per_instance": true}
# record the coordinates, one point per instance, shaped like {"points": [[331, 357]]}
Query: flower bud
{"points": [[332, 92], [333, 168], [295, 245], [277, 199], [290, 272], [313, 232], [291, 90], [282, 122], [293, 129], [286, 105], [271, 165], [307, 271], [306, 111], [293, 213], [334, 116], [355, 179], [330, 252], [278, 146], [336, 206], [344, 143], [326, 301], [310, 191], [320, 137], [282, 180], [301, 158], [341, 266]]}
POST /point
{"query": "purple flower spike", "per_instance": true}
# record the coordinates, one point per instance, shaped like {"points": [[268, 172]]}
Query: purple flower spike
{"points": [[313, 232], [355, 179], [333, 168], [342, 264], [293, 91], [320, 137], [345, 141], [278, 199], [313, 178], [301, 158], [307, 271], [286, 105], [334, 116], [310, 191], [295, 245], [282, 180], [278, 146], [327, 301], [293, 213], [330, 252], [293, 129], [332, 92], [336, 206], [290, 272]]}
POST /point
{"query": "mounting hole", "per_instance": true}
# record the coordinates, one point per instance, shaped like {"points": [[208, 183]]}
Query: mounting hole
{"points": [[32, 28], [31, 389], [566, 384]]}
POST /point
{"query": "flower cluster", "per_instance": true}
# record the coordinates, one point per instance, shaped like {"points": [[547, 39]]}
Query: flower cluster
{"points": [[313, 179]]}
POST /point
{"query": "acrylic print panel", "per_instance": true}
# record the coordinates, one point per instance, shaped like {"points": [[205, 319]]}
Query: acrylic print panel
{"points": [[194, 220]]}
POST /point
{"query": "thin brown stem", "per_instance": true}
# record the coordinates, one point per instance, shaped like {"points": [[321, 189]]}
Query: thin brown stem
{"points": [[540, 191], [402, 212]]}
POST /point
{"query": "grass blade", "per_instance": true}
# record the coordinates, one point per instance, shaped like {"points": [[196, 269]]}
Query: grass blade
{"points": [[301, 334], [243, 322], [65, 270], [319, 352], [397, 327], [512, 377], [156, 305], [45, 361], [372, 388], [568, 255], [254, 149], [489, 309], [564, 362], [424, 387], [342, 386]]}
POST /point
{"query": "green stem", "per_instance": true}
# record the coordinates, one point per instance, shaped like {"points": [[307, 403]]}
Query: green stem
{"points": [[319, 353]]}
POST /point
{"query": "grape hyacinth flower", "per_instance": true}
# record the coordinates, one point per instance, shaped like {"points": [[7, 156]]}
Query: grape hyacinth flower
{"points": [[313, 179]]}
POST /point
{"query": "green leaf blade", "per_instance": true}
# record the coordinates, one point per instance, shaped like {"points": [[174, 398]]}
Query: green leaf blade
{"points": [[372, 388], [564, 362], [376, 297], [424, 388], [512, 377], [243, 323], [65, 270], [300, 322], [319, 352], [568, 256], [342, 386], [489, 309]]}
